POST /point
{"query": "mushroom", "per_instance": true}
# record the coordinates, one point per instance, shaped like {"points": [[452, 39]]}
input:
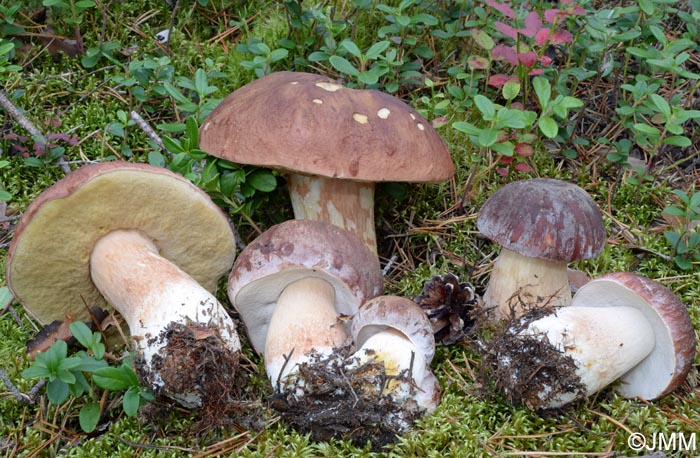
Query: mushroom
{"points": [[542, 225], [396, 332], [144, 240], [334, 143], [618, 326], [290, 286]]}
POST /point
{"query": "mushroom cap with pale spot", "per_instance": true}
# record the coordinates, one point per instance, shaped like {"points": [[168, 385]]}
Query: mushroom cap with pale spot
{"points": [[48, 260], [306, 123], [394, 312], [670, 361], [544, 218], [293, 250]]}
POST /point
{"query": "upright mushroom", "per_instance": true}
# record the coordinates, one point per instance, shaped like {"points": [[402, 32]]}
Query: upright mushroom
{"points": [[542, 224], [290, 286], [618, 326], [145, 241], [333, 141]]}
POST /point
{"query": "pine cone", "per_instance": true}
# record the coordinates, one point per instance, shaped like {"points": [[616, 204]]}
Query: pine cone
{"points": [[451, 307]]}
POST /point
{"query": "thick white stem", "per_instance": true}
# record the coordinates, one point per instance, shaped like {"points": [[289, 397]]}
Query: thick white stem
{"points": [[344, 203], [151, 292], [519, 283], [605, 343], [304, 320]]}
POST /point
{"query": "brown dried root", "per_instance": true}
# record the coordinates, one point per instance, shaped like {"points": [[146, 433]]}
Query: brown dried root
{"points": [[196, 360], [525, 368], [327, 399]]}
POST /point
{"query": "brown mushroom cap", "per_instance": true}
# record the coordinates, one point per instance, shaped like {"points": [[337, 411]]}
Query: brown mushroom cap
{"points": [[48, 262], [394, 312], [294, 250], [544, 218], [671, 360], [311, 124]]}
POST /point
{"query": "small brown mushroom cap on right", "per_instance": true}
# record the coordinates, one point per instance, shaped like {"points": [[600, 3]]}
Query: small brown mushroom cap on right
{"points": [[542, 224]]}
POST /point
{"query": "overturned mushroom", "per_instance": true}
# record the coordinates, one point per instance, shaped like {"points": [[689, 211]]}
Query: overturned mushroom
{"points": [[290, 286], [150, 244], [542, 225], [618, 326], [395, 332], [334, 143]]}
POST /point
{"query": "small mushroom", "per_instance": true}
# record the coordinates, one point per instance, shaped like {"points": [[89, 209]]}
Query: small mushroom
{"points": [[620, 326], [333, 142], [396, 332], [144, 240], [542, 225], [290, 286]]}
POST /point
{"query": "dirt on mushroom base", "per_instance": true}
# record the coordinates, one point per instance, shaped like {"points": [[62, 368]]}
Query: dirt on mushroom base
{"points": [[196, 360], [328, 400], [525, 368]]}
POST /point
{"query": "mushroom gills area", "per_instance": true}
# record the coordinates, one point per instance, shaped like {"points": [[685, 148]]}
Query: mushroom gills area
{"points": [[519, 283], [158, 300], [344, 203], [304, 323], [604, 343]]}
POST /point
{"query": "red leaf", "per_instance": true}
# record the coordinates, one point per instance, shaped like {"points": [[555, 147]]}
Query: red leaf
{"points": [[523, 149], [535, 72], [502, 171], [500, 80], [506, 159], [561, 36], [506, 30], [533, 23], [545, 60], [552, 16], [523, 167], [542, 36], [506, 53], [505, 10], [528, 59]]}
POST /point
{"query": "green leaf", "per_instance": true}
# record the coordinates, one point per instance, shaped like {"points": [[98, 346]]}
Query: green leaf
{"points": [[647, 6], [82, 333], [485, 106], [511, 90], [173, 145], [352, 48], [674, 211], [57, 391], [678, 140], [343, 66], [192, 132], [543, 90], [487, 137], [661, 104], [466, 127], [377, 49], [646, 129], [89, 416], [131, 401], [5, 196], [37, 369], [548, 126], [262, 180], [112, 378]]}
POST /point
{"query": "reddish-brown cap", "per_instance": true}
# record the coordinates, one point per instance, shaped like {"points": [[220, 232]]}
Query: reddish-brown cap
{"points": [[394, 312], [294, 250], [48, 262], [544, 218], [671, 360], [311, 124]]}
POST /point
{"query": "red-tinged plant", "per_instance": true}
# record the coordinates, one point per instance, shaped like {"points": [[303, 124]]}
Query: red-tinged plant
{"points": [[526, 39]]}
